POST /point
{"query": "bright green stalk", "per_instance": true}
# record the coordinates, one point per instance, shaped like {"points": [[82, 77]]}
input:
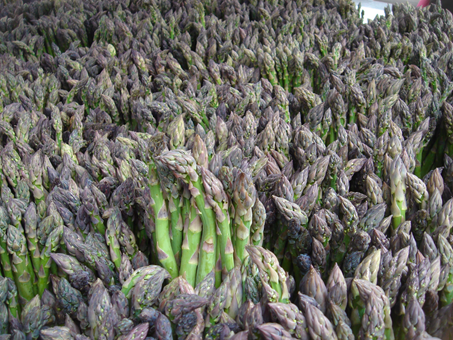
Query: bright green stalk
{"points": [[173, 195], [31, 220], [429, 156], [5, 260], [287, 262], [111, 237], [191, 242], [208, 242], [183, 166], [20, 263], [218, 200], [446, 251], [418, 167], [398, 188], [174, 206], [218, 267], [280, 245], [52, 244], [162, 231], [244, 196], [12, 301]]}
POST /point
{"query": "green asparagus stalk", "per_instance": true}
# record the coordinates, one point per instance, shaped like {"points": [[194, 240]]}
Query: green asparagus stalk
{"points": [[218, 200], [191, 240], [30, 224], [4, 255], [244, 196], [20, 264], [12, 300], [173, 192], [398, 174], [162, 230], [184, 166], [111, 237], [52, 244]]}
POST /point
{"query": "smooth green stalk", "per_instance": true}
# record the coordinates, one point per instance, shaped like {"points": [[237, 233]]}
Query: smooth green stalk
{"points": [[446, 295], [174, 206], [33, 247], [429, 158], [191, 242], [418, 167], [280, 246], [226, 246], [218, 200], [162, 231], [242, 227], [12, 301], [398, 188], [111, 237], [208, 241], [5, 260], [218, 267], [332, 135], [287, 262], [20, 264], [52, 244], [183, 166], [244, 196]]}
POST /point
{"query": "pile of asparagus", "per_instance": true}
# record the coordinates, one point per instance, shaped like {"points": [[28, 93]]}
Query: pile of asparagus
{"points": [[225, 170]]}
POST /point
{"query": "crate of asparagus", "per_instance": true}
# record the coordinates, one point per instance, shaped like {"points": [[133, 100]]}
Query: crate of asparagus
{"points": [[228, 169]]}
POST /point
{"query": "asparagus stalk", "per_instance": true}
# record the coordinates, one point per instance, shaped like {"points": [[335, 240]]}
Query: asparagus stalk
{"points": [[20, 263], [191, 240], [398, 174], [244, 196], [4, 255], [218, 200], [52, 244], [162, 230], [183, 166], [31, 222], [111, 237], [173, 192]]}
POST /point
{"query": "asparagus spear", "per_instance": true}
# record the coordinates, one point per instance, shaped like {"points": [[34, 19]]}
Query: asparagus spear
{"points": [[111, 237], [31, 221], [398, 174], [218, 200], [258, 223], [173, 190], [191, 239], [162, 230], [244, 196], [20, 259], [183, 166], [52, 244], [4, 255]]}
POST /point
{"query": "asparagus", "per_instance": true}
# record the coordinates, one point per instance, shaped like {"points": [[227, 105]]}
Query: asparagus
{"points": [[52, 244], [217, 199], [20, 265], [244, 196], [162, 231], [183, 166]]}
